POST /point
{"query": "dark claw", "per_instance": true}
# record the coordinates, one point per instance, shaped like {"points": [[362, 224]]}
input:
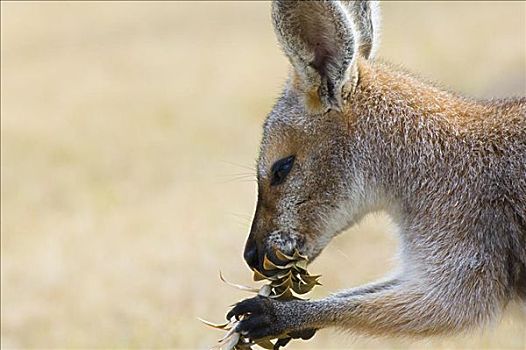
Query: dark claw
{"points": [[252, 324], [281, 343], [252, 306]]}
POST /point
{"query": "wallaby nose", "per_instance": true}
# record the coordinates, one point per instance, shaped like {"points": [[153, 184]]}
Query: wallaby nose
{"points": [[251, 253]]}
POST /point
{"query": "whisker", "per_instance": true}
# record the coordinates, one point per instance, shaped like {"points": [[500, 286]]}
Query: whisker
{"points": [[240, 176], [239, 165], [342, 253], [243, 180], [242, 216]]}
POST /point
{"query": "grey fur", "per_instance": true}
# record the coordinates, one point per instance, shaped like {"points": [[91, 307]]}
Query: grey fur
{"points": [[366, 18], [449, 170]]}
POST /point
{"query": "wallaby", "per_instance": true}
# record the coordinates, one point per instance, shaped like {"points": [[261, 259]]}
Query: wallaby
{"points": [[349, 136]]}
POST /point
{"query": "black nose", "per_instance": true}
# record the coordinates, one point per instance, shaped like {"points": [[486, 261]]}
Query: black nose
{"points": [[251, 253]]}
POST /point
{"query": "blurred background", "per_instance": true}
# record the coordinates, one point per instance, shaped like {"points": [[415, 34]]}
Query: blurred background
{"points": [[129, 134]]}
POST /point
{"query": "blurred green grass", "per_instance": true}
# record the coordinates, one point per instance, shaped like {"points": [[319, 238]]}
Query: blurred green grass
{"points": [[129, 132]]}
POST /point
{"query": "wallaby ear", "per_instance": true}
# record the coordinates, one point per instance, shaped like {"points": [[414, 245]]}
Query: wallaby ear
{"points": [[366, 18], [322, 41], [318, 38]]}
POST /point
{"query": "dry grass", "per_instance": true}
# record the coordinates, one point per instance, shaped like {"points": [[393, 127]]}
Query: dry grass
{"points": [[127, 131]]}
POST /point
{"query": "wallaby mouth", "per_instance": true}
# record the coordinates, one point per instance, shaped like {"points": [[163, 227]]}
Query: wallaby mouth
{"points": [[250, 254], [256, 258], [272, 248], [268, 260]]}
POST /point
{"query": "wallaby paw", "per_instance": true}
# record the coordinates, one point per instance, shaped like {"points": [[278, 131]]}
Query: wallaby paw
{"points": [[259, 319], [264, 317]]}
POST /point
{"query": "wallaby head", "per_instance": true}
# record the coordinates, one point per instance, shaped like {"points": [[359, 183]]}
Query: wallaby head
{"points": [[306, 190]]}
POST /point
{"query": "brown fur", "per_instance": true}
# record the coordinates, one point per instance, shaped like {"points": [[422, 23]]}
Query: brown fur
{"points": [[451, 171]]}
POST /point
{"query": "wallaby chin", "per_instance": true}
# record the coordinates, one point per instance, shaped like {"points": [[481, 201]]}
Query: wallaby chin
{"points": [[451, 171]]}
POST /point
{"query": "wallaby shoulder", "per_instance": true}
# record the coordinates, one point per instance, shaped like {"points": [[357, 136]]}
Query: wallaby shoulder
{"points": [[400, 89]]}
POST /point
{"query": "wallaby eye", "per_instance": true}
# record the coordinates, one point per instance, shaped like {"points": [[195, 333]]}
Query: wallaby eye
{"points": [[280, 170]]}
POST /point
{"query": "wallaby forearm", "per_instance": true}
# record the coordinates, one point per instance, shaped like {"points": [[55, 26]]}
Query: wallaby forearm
{"points": [[373, 287], [403, 310]]}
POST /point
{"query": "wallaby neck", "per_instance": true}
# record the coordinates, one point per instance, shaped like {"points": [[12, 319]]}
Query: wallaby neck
{"points": [[405, 135]]}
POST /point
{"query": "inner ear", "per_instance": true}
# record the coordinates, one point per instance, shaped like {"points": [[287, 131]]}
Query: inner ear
{"points": [[321, 38], [322, 55]]}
